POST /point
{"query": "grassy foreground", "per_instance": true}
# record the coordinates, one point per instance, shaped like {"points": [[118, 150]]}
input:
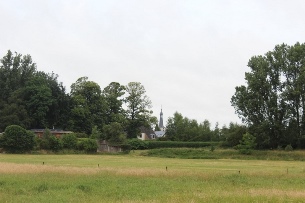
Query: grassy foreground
{"points": [[133, 178]]}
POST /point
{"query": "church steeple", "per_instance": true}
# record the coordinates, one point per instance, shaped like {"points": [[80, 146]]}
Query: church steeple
{"points": [[161, 126]]}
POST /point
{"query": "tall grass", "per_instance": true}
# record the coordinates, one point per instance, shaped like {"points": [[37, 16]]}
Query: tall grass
{"points": [[132, 178], [206, 153]]}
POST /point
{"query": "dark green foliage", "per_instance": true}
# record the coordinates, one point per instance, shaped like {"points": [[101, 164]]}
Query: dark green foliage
{"points": [[187, 153], [137, 144], [55, 144], [247, 144], [96, 133], [272, 102], [233, 134], [113, 98], [126, 148], [182, 153], [181, 128], [289, 148], [88, 106], [17, 140], [80, 135], [43, 142], [301, 143], [86, 144], [69, 141], [114, 133], [30, 98], [177, 144], [138, 105]]}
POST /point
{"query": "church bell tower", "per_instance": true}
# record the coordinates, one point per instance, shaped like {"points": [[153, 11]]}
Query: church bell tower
{"points": [[161, 126]]}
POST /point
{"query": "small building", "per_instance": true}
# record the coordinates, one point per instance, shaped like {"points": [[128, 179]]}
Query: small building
{"points": [[104, 146], [147, 134], [160, 134], [56, 132]]}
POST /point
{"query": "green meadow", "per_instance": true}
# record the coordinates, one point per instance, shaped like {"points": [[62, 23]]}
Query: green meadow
{"points": [[136, 178]]}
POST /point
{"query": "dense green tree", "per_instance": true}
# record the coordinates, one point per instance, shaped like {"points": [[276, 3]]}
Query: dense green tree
{"points": [[206, 134], [271, 103], [114, 133], [233, 134], [181, 128], [294, 90], [69, 141], [137, 112], [15, 71], [113, 95], [217, 134], [16, 139], [87, 144], [247, 144], [174, 128], [55, 144], [43, 142], [88, 106], [96, 133], [30, 98], [59, 109], [38, 98]]}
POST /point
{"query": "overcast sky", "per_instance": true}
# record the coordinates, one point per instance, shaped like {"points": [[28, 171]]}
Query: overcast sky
{"points": [[189, 55]]}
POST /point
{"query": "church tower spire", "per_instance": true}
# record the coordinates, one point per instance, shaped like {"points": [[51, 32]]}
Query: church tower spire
{"points": [[161, 126]]}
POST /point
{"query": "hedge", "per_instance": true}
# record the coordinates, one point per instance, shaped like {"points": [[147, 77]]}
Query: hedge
{"points": [[86, 144], [170, 144]]}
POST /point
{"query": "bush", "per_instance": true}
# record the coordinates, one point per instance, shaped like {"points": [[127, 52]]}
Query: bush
{"points": [[126, 148], [55, 144], [246, 144], [80, 135], [87, 145], [16, 139], [69, 141], [137, 144], [176, 144], [289, 148], [43, 143]]}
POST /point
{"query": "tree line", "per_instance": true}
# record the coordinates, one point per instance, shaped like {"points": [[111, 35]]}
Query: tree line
{"points": [[35, 99], [270, 105], [180, 128]]}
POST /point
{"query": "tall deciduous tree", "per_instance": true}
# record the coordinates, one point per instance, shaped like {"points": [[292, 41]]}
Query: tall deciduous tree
{"points": [[181, 128], [138, 108], [30, 98], [272, 101], [87, 106], [114, 133], [113, 95]]}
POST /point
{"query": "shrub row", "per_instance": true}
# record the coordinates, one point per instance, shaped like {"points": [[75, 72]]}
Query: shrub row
{"points": [[176, 144], [69, 141], [139, 144]]}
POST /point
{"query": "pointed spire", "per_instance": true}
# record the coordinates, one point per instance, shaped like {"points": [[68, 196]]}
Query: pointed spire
{"points": [[161, 120]]}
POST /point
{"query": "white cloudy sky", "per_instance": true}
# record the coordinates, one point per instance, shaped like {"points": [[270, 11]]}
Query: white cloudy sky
{"points": [[189, 55]]}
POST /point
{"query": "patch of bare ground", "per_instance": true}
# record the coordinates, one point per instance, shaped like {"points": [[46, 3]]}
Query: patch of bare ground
{"points": [[277, 193], [14, 168]]}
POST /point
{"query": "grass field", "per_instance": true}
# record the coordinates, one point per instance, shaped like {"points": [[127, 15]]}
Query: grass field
{"points": [[134, 178]]}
